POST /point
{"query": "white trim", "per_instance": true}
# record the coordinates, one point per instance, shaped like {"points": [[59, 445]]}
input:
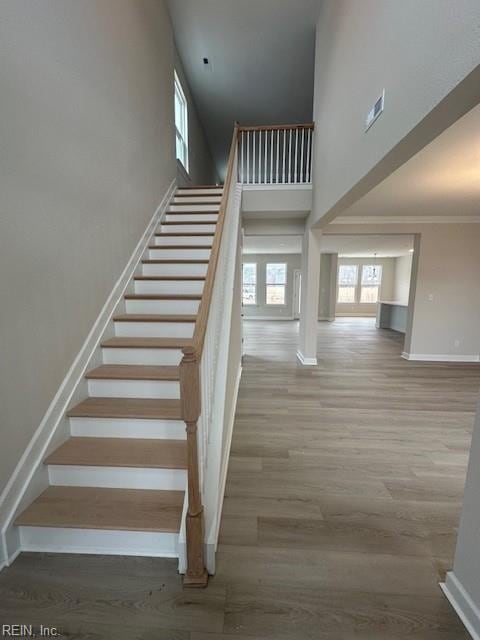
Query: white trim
{"points": [[245, 317], [461, 601], [434, 357], [306, 361], [355, 314], [406, 220], [29, 474], [304, 186], [326, 318]]}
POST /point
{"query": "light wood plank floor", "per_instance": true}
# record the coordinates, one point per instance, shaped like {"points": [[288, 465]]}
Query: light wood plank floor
{"points": [[342, 502]]}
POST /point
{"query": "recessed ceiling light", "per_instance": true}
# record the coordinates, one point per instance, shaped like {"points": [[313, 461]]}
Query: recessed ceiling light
{"points": [[411, 250]]}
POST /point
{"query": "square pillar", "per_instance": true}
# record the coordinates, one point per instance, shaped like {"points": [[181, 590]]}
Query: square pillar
{"points": [[307, 348]]}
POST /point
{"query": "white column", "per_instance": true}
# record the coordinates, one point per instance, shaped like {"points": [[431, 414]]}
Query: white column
{"points": [[307, 348]]}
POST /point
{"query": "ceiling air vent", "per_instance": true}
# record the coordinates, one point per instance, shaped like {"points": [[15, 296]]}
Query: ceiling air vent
{"points": [[375, 111]]}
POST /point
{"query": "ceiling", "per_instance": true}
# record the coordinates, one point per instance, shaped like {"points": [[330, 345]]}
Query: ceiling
{"points": [[443, 179], [261, 62], [348, 246]]}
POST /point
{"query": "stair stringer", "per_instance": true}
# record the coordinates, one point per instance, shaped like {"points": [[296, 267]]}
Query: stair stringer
{"points": [[30, 477]]}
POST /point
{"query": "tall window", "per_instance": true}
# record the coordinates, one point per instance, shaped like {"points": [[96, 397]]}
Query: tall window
{"points": [[276, 282], [371, 281], [181, 123], [249, 283], [347, 283]]}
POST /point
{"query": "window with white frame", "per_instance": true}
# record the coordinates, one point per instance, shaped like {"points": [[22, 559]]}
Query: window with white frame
{"points": [[181, 123], [371, 281], [347, 283], [249, 283], [275, 283]]}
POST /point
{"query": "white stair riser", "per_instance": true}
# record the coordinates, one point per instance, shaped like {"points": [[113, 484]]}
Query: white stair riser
{"points": [[154, 329], [142, 356], [209, 208], [188, 228], [179, 254], [166, 241], [169, 286], [166, 389], [167, 307], [217, 191], [175, 269], [99, 541], [117, 477], [197, 199], [193, 217], [127, 428]]}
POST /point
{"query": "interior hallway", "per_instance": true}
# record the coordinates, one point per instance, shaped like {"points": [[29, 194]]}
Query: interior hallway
{"points": [[342, 500]]}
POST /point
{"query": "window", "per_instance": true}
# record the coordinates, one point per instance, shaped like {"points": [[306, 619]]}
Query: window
{"points": [[249, 283], [276, 281], [181, 123], [371, 280], [347, 283]]}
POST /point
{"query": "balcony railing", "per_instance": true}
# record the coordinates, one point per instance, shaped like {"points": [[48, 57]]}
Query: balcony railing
{"points": [[275, 154]]}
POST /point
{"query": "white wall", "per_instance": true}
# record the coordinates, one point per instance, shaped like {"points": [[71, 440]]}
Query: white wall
{"points": [[386, 287], [418, 52], [87, 152], [261, 309], [402, 275]]}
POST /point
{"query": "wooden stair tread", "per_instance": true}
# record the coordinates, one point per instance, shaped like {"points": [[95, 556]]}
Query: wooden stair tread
{"points": [[163, 296], [169, 278], [174, 247], [177, 261], [110, 509], [167, 222], [146, 343], [121, 452], [141, 408], [194, 212], [134, 372], [182, 234], [201, 186], [153, 317]]}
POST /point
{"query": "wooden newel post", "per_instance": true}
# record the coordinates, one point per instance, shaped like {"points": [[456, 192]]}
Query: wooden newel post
{"points": [[196, 574]]}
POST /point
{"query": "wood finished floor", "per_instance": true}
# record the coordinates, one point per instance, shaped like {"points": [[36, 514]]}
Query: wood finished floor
{"points": [[342, 503]]}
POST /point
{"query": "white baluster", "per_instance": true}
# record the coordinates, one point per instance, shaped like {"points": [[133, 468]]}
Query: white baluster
{"points": [[301, 156], [253, 157], [284, 152], [241, 152], [248, 157], [290, 156], [271, 156], [295, 169], [307, 170], [278, 147], [259, 157], [265, 160]]}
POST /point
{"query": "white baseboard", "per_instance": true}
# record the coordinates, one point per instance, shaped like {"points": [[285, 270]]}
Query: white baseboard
{"points": [[306, 361], [460, 599], [326, 318], [245, 317], [433, 357], [29, 478]]}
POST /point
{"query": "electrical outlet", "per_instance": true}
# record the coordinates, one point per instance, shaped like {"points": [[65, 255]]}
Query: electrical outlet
{"points": [[430, 297], [457, 342]]}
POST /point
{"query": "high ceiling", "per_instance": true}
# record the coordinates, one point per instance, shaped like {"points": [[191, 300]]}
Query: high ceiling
{"points": [[443, 179], [261, 62], [348, 246]]}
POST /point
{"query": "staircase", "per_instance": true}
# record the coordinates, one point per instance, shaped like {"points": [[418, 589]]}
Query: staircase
{"points": [[117, 484]]}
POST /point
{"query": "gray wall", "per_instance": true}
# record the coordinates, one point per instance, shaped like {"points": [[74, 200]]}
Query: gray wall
{"points": [[386, 288], [87, 153], [418, 52], [327, 297], [403, 272], [261, 310]]}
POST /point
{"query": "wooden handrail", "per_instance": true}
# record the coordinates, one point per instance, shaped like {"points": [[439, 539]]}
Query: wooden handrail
{"points": [[190, 397], [274, 127]]}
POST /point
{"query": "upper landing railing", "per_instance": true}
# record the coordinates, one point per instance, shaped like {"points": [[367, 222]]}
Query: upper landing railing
{"points": [[275, 154]]}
